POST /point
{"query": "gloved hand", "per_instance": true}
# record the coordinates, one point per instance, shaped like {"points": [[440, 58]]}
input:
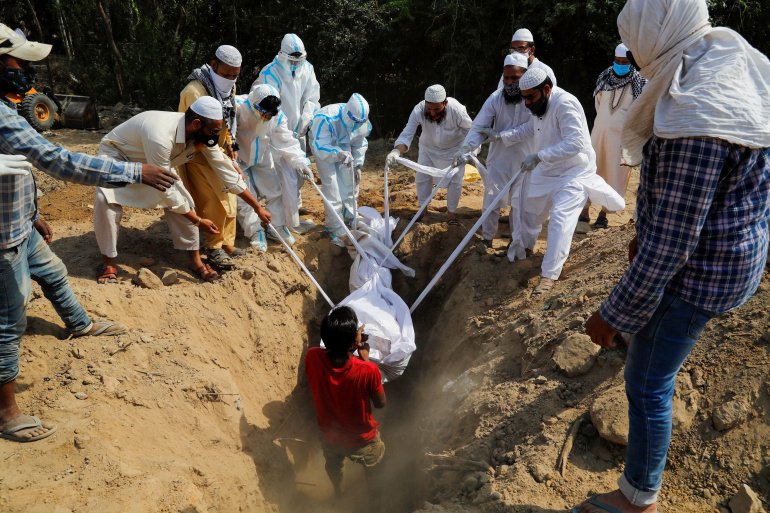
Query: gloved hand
{"points": [[530, 162], [392, 156], [345, 157], [304, 171], [17, 165], [462, 156], [492, 135]]}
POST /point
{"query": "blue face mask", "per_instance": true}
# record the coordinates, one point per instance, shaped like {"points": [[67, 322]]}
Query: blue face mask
{"points": [[621, 70]]}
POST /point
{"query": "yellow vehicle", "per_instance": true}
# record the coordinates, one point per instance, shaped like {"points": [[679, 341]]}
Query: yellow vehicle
{"points": [[36, 107], [42, 109]]}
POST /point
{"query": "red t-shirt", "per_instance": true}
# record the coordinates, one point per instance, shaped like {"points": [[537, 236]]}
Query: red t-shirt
{"points": [[342, 398]]}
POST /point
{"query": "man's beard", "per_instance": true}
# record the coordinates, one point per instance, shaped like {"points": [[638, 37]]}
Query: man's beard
{"points": [[512, 98], [439, 119]]}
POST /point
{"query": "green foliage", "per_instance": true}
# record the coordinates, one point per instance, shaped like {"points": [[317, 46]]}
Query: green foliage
{"points": [[388, 50]]}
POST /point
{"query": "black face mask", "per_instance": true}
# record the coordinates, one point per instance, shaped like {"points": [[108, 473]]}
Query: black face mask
{"points": [[207, 140], [539, 107], [17, 81]]}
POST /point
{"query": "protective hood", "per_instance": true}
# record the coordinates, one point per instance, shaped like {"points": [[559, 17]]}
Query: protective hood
{"points": [[356, 112], [291, 45], [259, 94]]}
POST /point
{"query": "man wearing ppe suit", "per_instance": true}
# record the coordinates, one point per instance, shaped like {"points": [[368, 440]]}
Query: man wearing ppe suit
{"points": [[294, 77], [338, 140], [503, 110], [215, 79], [524, 43], [263, 136], [445, 123], [563, 167]]}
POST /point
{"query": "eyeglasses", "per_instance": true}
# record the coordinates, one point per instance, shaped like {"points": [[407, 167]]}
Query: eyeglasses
{"points": [[520, 49]]}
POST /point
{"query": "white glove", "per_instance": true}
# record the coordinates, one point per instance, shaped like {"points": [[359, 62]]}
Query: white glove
{"points": [[530, 162], [345, 157], [492, 135], [14, 165], [304, 171], [392, 156]]}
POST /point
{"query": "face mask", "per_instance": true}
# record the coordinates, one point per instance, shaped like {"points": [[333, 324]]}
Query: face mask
{"points": [[224, 86], [539, 107], [205, 139], [621, 70], [17, 80], [513, 92]]}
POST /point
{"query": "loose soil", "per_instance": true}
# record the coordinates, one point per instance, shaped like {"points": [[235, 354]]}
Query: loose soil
{"points": [[203, 406]]}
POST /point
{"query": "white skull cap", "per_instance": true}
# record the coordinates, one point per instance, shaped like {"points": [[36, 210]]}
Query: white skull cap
{"points": [[261, 91], [435, 94], [523, 35], [621, 50], [356, 110], [532, 78], [517, 59], [229, 55], [291, 43], [208, 107]]}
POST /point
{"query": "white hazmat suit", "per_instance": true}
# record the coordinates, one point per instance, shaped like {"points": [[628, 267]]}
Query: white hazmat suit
{"points": [[439, 142], [562, 181], [338, 135], [261, 142]]}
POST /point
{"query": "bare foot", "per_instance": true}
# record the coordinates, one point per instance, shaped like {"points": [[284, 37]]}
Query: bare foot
{"points": [[615, 500]]}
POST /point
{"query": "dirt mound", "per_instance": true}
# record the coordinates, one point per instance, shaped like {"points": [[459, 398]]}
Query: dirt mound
{"points": [[202, 406]]}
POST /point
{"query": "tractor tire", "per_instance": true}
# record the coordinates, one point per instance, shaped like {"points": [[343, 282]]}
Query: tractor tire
{"points": [[39, 110]]}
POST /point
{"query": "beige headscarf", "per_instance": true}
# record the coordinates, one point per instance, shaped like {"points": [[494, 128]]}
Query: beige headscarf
{"points": [[703, 81]]}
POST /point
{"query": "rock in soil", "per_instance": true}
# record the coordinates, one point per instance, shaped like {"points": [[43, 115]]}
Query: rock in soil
{"points": [[147, 279], [730, 414], [576, 355]]}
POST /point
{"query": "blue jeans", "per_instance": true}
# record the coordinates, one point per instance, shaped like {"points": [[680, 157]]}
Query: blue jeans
{"points": [[32, 259], [655, 355]]}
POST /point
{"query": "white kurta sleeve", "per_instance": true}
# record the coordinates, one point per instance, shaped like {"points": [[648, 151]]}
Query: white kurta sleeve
{"points": [[231, 179], [521, 133], [570, 128], [484, 119], [324, 144], [282, 140], [157, 151], [407, 134]]}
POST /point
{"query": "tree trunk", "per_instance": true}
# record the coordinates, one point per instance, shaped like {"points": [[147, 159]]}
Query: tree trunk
{"points": [[42, 40], [118, 68], [65, 35]]}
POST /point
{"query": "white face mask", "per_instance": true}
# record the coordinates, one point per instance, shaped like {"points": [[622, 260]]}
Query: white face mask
{"points": [[224, 86]]}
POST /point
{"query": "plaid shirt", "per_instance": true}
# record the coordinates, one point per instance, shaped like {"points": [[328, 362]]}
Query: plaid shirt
{"points": [[703, 208], [18, 194]]}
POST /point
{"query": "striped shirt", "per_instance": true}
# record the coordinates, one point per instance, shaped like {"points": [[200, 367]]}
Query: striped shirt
{"points": [[18, 194], [702, 229]]}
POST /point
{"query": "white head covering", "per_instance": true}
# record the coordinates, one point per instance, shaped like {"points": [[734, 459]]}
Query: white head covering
{"points": [[523, 35], [20, 47], [356, 111], [517, 59], [704, 82], [229, 55], [291, 43], [532, 78], [621, 50], [261, 91], [435, 94], [208, 107]]}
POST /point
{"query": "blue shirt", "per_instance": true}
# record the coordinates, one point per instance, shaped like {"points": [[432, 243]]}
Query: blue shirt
{"points": [[18, 194], [702, 221]]}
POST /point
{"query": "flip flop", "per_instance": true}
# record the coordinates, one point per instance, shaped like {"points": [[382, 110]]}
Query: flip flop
{"points": [[106, 274], [102, 329], [599, 504], [543, 287], [26, 422], [237, 252]]}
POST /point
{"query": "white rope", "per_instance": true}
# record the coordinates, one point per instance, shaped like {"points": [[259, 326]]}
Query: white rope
{"points": [[301, 264], [386, 206], [464, 242]]}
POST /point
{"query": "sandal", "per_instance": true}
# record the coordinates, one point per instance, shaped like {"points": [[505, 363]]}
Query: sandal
{"points": [[106, 274], [101, 329], [220, 259], [601, 222], [206, 273], [544, 286]]}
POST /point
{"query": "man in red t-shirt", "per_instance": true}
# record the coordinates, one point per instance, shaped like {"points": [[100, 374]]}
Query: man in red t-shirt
{"points": [[344, 389]]}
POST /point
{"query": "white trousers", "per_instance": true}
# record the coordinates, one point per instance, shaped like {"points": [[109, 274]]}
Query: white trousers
{"points": [[340, 187], [262, 182], [497, 177], [563, 207], [107, 216], [425, 183]]}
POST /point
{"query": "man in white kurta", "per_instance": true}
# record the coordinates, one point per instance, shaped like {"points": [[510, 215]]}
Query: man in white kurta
{"points": [[168, 140], [523, 42], [445, 123], [294, 77], [503, 110], [263, 137], [616, 88], [563, 167]]}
